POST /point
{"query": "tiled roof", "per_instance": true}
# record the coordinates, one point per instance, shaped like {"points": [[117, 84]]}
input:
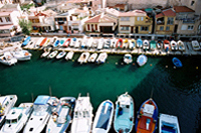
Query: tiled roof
{"points": [[5, 13], [94, 19], [101, 18], [133, 13], [182, 9], [168, 12], [9, 6]]}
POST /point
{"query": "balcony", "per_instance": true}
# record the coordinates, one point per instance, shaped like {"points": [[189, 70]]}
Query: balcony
{"points": [[160, 22]]}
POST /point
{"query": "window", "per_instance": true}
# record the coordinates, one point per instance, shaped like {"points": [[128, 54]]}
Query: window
{"points": [[56, 19], [125, 28], [7, 19], [190, 27], [88, 27], [61, 27], [170, 21], [144, 28], [167, 28], [184, 27], [192, 3], [138, 18], [96, 27], [142, 18], [1, 20], [161, 28], [125, 18]]}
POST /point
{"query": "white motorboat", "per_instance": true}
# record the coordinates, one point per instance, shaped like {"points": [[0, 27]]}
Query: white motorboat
{"points": [[8, 59], [168, 124], [127, 58], [46, 52], [69, 55], [84, 57], [6, 104], [78, 43], [100, 44], [141, 60], [124, 114], [145, 45], [125, 44], [17, 118], [21, 55], [83, 114], [42, 108], [61, 118], [113, 43], [52, 55], [37, 44], [101, 58], [107, 43], [195, 45], [103, 119], [90, 41], [181, 45], [61, 55], [73, 42], [132, 44], [93, 57], [173, 45], [95, 43]]}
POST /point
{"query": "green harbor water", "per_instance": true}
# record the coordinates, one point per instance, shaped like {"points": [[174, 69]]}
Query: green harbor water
{"points": [[176, 91]]}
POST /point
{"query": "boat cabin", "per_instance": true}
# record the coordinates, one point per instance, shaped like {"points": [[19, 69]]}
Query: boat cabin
{"points": [[4, 102], [14, 116]]}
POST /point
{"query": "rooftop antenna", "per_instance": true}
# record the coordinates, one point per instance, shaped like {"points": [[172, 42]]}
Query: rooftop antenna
{"points": [[50, 90]]}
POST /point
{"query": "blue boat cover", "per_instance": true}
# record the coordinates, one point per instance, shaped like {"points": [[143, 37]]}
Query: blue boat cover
{"points": [[139, 41], [41, 100], [74, 39], [104, 118], [177, 62], [26, 41]]}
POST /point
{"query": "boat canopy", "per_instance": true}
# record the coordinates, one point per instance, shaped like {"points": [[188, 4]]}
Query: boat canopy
{"points": [[41, 100], [148, 110]]}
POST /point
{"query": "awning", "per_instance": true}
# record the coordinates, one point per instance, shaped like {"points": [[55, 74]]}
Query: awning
{"points": [[6, 27]]}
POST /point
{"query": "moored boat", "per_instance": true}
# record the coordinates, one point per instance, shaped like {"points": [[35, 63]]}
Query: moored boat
{"points": [[147, 117], [132, 44], [119, 43], [195, 45], [56, 43], [47, 42], [84, 57], [152, 45], [159, 44], [107, 44], [166, 46], [101, 58], [168, 124], [69, 55], [125, 44], [124, 114], [100, 44], [37, 44], [73, 42], [7, 59], [6, 104], [103, 119], [176, 62], [173, 45], [21, 55], [46, 52], [83, 114], [43, 42], [181, 45], [61, 42], [62, 116], [78, 43], [139, 43], [61, 55], [142, 60], [17, 118], [127, 58], [26, 41], [52, 54], [93, 57], [67, 42], [145, 45]]}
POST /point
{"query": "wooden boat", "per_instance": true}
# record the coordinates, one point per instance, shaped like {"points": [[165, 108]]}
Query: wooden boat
{"points": [[37, 44], [147, 117], [176, 62], [69, 55], [62, 116], [103, 119], [127, 58], [52, 55], [56, 43], [101, 58], [84, 57], [181, 45], [95, 43], [26, 41], [47, 42], [61, 55], [159, 44], [90, 41], [67, 42], [132, 44], [152, 45], [43, 42], [166, 44], [119, 43], [142, 60], [73, 41], [78, 43], [46, 52], [168, 124], [107, 44], [145, 45], [125, 44], [195, 45], [139, 43], [93, 57], [8, 59], [173, 45], [124, 114], [100, 44]]}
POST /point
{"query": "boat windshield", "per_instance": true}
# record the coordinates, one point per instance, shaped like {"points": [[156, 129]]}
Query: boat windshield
{"points": [[12, 121], [40, 110]]}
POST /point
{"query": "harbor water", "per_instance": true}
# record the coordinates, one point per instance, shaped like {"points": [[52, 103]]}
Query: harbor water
{"points": [[175, 91]]}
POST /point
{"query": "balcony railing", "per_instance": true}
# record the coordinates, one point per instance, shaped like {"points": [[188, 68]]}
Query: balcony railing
{"points": [[160, 22]]}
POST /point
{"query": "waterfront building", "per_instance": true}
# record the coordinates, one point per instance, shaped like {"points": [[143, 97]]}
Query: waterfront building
{"points": [[165, 22]]}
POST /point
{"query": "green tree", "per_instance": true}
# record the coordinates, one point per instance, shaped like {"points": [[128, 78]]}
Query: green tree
{"points": [[26, 26]]}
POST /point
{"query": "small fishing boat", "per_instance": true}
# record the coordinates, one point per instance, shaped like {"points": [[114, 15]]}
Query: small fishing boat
{"points": [[42, 109], [159, 44], [43, 42], [6, 104], [141, 60], [84, 42], [21, 55], [168, 124], [78, 43], [139, 43], [125, 44], [67, 42], [176, 62], [107, 43], [26, 41], [101, 58], [61, 42], [47, 42], [90, 41], [95, 43], [119, 43], [17, 118], [113, 42], [145, 45], [69, 55], [173, 45], [147, 117], [93, 57], [46, 52], [132, 44], [7, 59], [124, 114], [166, 44], [62, 116], [83, 114], [103, 119], [61, 55], [52, 55], [37, 44], [100, 44], [152, 45], [181, 45], [56, 43], [195, 45], [84, 57], [73, 42], [54, 40], [127, 58]]}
